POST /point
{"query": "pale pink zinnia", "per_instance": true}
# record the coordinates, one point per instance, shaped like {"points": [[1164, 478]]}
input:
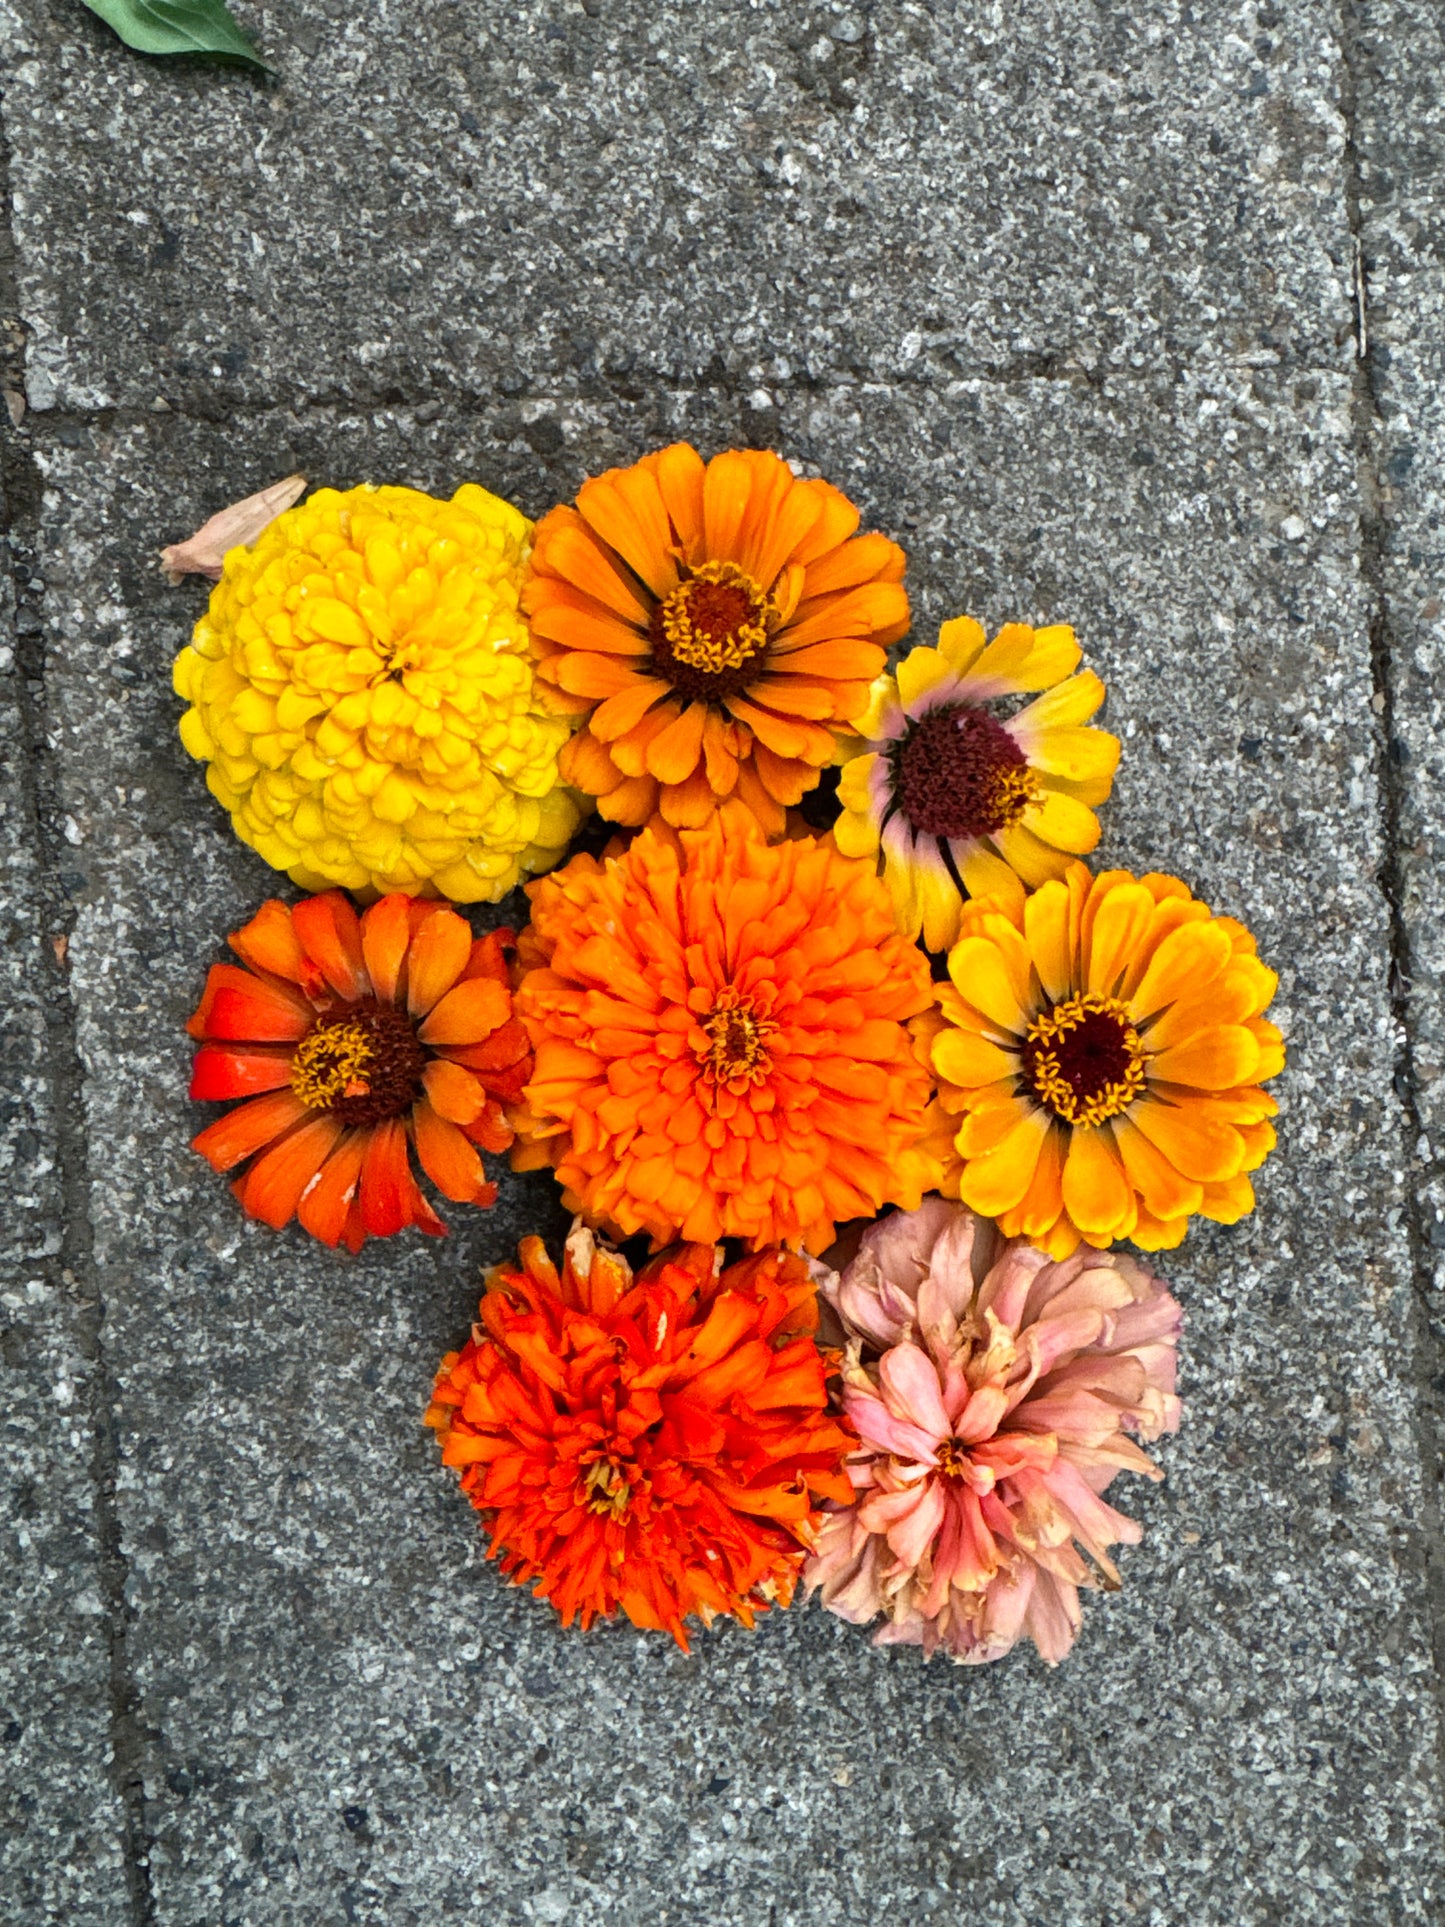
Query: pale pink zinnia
{"points": [[991, 1389]]}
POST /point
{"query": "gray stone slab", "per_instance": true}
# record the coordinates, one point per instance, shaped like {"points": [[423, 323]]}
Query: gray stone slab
{"points": [[60, 1823], [461, 198], [347, 1717]]}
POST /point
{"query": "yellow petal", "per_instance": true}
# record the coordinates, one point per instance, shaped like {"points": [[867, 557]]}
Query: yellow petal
{"points": [[920, 671], [1199, 1147], [1000, 1180], [1215, 1060], [1073, 701], [1097, 1195], [1049, 930], [961, 642], [967, 1059], [1059, 820]]}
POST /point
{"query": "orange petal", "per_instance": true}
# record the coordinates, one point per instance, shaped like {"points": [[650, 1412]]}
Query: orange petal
{"points": [[582, 673], [468, 1013], [672, 755], [455, 1094], [325, 1206], [564, 546], [385, 1194], [439, 953], [625, 508], [241, 1008], [220, 1071], [268, 942], [1214, 1060], [385, 934], [587, 764], [1201, 1147], [271, 1189], [687, 806], [625, 710], [449, 1160], [330, 934], [242, 1132], [679, 471]]}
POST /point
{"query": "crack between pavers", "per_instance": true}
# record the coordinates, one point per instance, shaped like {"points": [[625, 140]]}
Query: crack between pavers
{"points": [[78, 1279], [214, 410], [1367, 420]]}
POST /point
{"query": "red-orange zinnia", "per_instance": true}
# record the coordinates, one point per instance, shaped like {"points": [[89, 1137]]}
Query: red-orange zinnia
{"points": [[655, 1445], [354, 1038], [710, 620], [721, 1050]]}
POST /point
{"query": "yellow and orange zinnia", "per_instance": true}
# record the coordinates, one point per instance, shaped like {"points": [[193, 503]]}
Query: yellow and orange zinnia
{"points": [[1099, 1053], [720, 1037], [354, 1041], [710, 620], [656, 1445]]}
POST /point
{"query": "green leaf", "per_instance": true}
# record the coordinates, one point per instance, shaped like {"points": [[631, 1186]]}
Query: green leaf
{"points": [[179, 27]]}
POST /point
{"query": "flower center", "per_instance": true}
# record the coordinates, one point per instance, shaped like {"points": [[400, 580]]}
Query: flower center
{"points": [[607, 1490], [953, 1460], [737, 1036], [363, 1063], [709, 633], [960, 774], [1083, 1059]]}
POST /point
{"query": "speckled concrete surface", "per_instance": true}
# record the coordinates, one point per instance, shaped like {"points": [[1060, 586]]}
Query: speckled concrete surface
{"points": [[323, 1707]]}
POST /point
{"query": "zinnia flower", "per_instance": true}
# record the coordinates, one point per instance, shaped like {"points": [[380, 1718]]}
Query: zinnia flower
{"points": [[719, 1037], [361, 687], [352, 1039], [655, 1445], [990, 1426], [710, 621], [1099, 1053], [955, 799]]}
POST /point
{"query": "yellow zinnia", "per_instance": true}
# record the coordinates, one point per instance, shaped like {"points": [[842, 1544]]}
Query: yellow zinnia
{"points": [[955, 799], [361, 687], [1099, 1051]]}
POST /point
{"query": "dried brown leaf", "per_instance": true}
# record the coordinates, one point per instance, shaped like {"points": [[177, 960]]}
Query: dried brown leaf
{"points": [[235, 527]]}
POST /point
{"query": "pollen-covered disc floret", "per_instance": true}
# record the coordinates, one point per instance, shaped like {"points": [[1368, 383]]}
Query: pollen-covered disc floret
{"points": [[656, 1445], [361, 687]]}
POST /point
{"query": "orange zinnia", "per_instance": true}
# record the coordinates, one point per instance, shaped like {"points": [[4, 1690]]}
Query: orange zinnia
{"points": [[353, 1037], [710, 621], [719, 1037], [1099, 1053], [656, 1445]]}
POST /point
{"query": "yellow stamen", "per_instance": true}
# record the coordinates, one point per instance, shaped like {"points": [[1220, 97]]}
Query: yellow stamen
{"points": [[331, 1064], [737, 1041], [716, 620], [1084, 1059]]}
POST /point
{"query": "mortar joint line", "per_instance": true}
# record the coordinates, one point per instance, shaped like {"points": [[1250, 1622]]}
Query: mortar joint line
{"points": [[1368, 420]]}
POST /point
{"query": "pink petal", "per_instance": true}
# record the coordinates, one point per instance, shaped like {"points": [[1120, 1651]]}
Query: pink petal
{"points": [[1053, 1617], [235, 527], [910, 1385], [876, 1425]]}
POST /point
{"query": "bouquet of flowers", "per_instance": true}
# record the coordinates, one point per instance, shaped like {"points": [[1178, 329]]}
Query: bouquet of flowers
{"points": [[853, 1109]]}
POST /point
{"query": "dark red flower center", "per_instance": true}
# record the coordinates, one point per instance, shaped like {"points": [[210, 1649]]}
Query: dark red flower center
{"points": [[361, 1062], [960, 774], [709, 634], [1083, 1060]]}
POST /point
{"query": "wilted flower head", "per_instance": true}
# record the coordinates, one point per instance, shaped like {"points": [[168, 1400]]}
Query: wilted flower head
{"points": [[991, 1424]]}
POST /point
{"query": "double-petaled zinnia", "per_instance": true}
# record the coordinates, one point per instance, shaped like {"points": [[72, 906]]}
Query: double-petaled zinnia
{"points": [[720, 1038], [992, 1391], [655, 1445], [355, 1040], [1099, 1051], [710, 621], [361, 688], [955, 798]]}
